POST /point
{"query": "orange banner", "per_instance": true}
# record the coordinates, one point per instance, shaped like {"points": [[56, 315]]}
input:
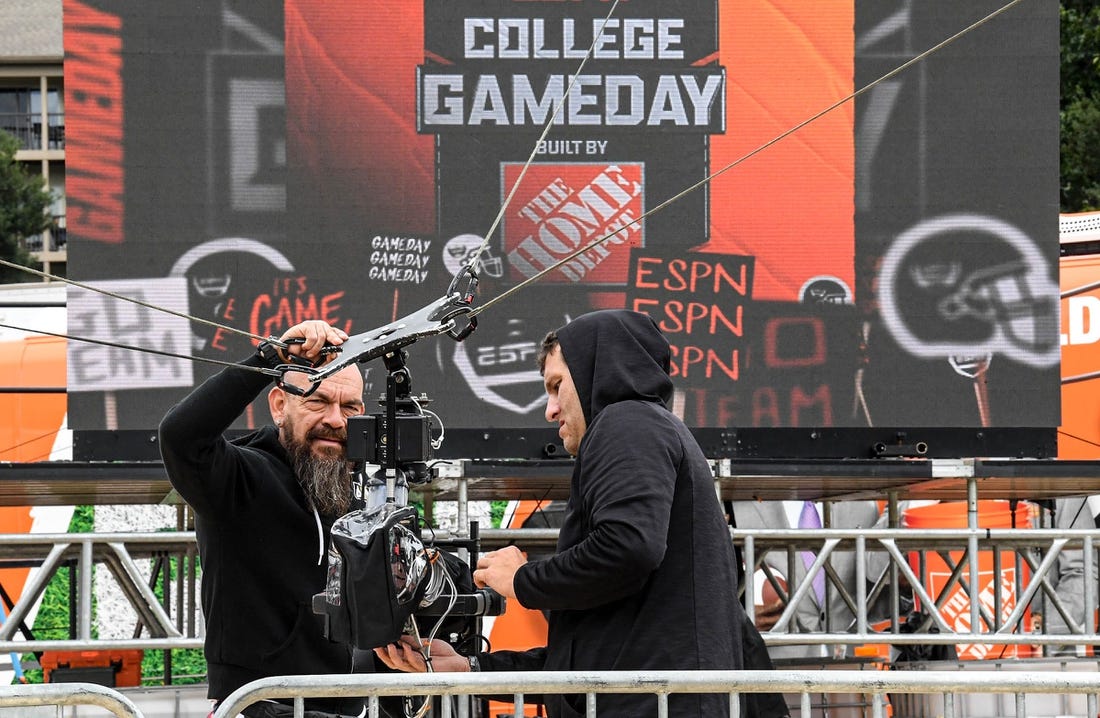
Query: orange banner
{"points": [[1079, 435]]}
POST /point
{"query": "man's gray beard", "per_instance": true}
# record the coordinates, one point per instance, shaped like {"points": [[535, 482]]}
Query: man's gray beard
{"points": [[325, 479]]}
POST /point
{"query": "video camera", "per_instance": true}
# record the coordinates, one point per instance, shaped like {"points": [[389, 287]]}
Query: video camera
{"points": [[381, 574]]}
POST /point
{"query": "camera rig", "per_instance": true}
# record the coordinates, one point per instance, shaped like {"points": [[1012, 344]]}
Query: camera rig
{"points": [[381, 574]]}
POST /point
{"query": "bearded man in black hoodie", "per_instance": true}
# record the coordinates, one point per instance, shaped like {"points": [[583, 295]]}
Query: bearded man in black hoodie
{"points": [[264, 505], [644, 575]]}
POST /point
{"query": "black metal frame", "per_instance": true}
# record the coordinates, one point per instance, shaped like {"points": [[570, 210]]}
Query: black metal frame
{"points": [[763, 443]]}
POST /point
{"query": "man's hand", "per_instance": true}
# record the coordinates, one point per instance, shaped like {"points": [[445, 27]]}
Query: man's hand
{"points": [[766, 616], [769, 606], [310, 337], [405, 656], [497, 570]]}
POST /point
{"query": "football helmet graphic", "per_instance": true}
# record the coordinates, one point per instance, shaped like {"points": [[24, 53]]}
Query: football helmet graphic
{"points": [[212, 270], [459, 250], [825, 290], [970, 285], [494, 372]]}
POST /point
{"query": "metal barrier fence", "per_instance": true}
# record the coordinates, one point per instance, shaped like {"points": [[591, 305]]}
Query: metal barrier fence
{"points": [[117, 552], [68, 694], [454, 692], [662, 684]]}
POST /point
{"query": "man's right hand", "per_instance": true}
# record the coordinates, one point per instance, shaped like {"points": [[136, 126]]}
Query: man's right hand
{"points": [[310, 338], [767, 615], [769, 606]]}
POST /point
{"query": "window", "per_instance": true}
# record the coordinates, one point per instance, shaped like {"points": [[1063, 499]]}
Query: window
{"points": [[21, 115]]}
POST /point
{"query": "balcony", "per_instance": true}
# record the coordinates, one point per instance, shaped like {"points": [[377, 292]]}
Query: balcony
{"points": [[27, 129], [57, 238]]}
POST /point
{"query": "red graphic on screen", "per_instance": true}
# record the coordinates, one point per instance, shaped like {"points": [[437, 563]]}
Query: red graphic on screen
{"points": [[560, 208], [93, 99], [351, 109], [792, 206]]}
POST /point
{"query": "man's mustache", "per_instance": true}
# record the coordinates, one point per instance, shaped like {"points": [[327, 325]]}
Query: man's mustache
{"points": [[341, 436]]}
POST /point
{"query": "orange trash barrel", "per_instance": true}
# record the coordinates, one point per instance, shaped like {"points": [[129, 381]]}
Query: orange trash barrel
{"points": [[955, 610]]}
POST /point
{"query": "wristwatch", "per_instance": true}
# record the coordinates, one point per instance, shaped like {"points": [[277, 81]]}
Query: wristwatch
{"points": [[475, 665]]}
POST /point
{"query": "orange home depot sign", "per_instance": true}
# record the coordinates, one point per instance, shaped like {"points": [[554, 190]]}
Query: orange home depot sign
{"points": [[956, 611], [996, 585], [1079, 435]]}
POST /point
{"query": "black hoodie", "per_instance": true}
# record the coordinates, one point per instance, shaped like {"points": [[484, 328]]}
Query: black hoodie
{"points": [[262, 547], [644, 577]]}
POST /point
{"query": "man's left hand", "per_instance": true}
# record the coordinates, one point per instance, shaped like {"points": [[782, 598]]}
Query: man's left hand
{"points": [[497, 570], [405, 655]]}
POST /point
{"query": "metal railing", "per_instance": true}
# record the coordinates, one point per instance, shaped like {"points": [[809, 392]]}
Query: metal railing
{"points": [[456, 692], [26, 127], [1036, 549], [57, 234], [878, 685], [117, 552], [174, 620], [68, 694]]}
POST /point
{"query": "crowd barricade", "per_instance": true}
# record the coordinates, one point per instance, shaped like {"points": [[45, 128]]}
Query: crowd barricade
{"points": [[946, 693], [67, 694], [451, 689]]}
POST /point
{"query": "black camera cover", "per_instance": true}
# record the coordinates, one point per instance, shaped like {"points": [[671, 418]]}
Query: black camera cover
{"points": [[382, 578]]}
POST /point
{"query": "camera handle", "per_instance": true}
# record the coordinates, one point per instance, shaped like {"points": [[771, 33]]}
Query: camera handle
{"points": [[398, 388]]}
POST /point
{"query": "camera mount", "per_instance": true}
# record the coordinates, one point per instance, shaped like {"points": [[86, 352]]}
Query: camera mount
{"points": [[381, 575]]}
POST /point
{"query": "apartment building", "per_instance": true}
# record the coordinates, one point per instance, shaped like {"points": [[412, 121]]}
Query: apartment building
{"points": [[32, 92]]}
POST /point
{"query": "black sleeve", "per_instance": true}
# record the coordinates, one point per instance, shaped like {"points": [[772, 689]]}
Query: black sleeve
{"points": [[628, 472], [200, 462], [529, 660]]}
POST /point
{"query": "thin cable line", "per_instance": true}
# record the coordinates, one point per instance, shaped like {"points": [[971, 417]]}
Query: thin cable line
{"points": [[1080, 290], [132, 300], [1078, 438], [679, 195], [115, 345], [545, 131], [1081, 377], [31, 440]]}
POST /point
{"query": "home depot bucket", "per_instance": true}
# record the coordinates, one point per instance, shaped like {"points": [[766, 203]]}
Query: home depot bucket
{"points": [[955, 608]]}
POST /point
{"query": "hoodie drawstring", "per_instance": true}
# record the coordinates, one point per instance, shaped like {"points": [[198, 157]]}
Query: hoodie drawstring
{"points": [[320, 537]]}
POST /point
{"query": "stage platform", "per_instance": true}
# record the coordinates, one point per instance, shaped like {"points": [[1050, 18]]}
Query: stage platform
{"points": [[145, 482]]}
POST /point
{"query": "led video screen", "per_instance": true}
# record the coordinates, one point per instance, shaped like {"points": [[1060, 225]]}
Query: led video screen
{"points": [[815, 260]]}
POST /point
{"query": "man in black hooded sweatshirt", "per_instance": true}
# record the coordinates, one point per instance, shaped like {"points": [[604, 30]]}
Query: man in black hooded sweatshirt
{"points": [[263, 506], [644, 575]]}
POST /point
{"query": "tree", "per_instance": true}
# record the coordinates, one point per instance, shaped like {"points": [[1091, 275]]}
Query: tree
{"points": [[23, 204], [1080, 106]]}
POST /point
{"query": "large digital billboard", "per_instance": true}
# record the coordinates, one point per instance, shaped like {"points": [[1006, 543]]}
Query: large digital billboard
{"points": [[891, 263]]}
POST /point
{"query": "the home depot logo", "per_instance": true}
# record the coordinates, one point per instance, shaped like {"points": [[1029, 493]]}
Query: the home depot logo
{"points": [[560, 208], [956, 611]]}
